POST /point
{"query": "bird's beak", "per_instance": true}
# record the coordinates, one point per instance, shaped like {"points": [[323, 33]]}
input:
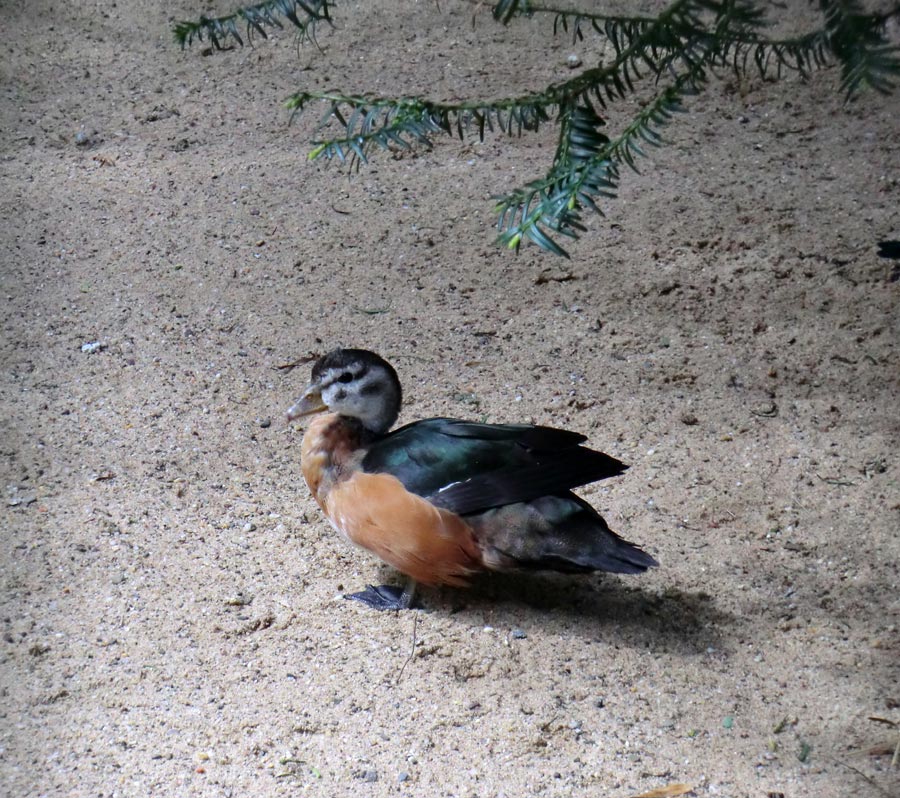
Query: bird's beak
{"points": [[311, 402]]}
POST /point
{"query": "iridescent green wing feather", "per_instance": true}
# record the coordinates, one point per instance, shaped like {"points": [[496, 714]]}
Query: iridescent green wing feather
{"points": [[467, 467]]}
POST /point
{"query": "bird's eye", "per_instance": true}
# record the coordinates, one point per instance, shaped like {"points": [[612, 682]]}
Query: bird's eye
{"points": [[346, 377]]}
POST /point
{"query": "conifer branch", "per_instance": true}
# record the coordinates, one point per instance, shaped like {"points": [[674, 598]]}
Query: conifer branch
{"points": [[384, 122], [674, 52], [849, 29], [587, 162], [303, 14], [858, 42], [587, 166]]}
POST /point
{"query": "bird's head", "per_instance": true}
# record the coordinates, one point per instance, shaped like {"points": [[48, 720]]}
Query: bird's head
{"points": [[354, 383]]}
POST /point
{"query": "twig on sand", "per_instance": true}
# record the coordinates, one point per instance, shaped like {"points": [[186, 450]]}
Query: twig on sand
{"points": [[412, 650], [869, 779]]}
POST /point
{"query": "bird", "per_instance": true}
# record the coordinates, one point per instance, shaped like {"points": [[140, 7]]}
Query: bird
{"points": [[444, 499]]}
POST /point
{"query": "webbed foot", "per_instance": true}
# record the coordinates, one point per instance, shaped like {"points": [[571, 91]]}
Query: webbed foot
{"points": [[386, 597]]}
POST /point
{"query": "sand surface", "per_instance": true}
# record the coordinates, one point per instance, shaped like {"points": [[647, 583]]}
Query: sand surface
{"points": [[171, 597]]}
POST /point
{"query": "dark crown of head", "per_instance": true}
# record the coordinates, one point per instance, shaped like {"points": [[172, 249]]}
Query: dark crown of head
{"points": [[347, 358]]}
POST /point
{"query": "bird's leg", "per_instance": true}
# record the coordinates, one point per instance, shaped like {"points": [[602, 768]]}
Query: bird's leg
{"points": [[387, 597]]}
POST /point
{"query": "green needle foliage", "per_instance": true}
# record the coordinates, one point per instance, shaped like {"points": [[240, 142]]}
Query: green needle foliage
{"points": [[671, 55], [221, 30]]}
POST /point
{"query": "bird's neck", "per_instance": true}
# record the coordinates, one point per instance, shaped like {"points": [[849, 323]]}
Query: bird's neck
{"points": [[331, 451]]}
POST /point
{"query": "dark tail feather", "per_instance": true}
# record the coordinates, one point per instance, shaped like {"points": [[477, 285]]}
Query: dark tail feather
{"points": [[555, 533], [617, 556]]}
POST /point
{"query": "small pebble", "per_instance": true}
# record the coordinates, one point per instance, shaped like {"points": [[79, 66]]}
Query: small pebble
{"points": [[91, 347], [518, 634], [766, 409], [265, 423], [689, 419], [404, 776], [573, 61], [82, 139], [248, 527], [369, 775], [18, 496]]}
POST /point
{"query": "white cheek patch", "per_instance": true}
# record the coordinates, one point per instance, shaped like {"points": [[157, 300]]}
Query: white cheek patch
{"points": [[332, 395]]}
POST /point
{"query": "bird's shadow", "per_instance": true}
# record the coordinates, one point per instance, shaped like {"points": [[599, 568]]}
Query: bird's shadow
{"points": [[596, 607]]}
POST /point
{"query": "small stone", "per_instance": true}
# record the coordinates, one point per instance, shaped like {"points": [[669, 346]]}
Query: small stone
{"points": [[689, 419], [91, 347], [18, 496], [248, 527], [403, 776], [82, 139], [265, 423], [573, 61], [518, 634], [370, 776], [766, 410]]}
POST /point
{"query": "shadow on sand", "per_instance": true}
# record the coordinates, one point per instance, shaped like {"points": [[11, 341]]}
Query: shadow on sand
{"points": [[598, 607]]}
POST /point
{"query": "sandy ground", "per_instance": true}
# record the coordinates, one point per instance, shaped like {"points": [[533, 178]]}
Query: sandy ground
{"points": [[172, 619]]}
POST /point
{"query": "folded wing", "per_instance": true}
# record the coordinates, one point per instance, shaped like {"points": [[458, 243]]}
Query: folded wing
{"points": [[467, 467]]}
